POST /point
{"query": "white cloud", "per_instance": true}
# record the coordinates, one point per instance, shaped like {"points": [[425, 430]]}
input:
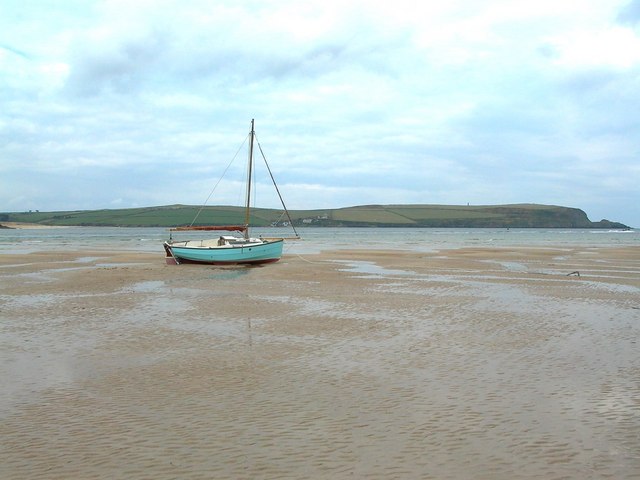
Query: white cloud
{"points": [[356, 102], [615, 47]]}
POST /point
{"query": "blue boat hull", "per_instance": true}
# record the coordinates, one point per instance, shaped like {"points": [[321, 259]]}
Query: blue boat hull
{"points": [[266, 252]]}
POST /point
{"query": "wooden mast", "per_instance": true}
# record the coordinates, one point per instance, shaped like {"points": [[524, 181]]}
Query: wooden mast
{"points": [[247, 217]]}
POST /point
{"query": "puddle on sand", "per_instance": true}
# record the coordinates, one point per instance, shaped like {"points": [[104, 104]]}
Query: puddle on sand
{"points": [[27, 371], [229, 274], [509, 266], [86, 259], [115, 265], [371, 269], [30, 301], [149, 286]]}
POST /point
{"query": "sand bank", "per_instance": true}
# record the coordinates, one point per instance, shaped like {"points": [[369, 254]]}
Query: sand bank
{"points": [[470, 363], [27, 226]]}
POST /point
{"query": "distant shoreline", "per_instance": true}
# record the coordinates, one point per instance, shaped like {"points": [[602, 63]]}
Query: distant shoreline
{"points": [[38, 226], [26, 226], [396, 216]]}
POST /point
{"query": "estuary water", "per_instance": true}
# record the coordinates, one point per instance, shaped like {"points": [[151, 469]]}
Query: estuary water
{"points": [[314, 240]]}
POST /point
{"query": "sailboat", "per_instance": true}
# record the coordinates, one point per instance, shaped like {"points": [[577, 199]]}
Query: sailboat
{"points": [[240, 248]]}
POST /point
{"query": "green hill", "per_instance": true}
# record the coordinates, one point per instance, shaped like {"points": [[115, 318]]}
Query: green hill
{"points": [[482, 216]]}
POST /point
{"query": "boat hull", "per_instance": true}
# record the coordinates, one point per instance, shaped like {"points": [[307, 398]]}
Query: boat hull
{"points": [[251, 254]]}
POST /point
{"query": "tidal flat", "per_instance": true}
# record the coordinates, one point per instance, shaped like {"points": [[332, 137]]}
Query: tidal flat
{"points": [[475, 362]]}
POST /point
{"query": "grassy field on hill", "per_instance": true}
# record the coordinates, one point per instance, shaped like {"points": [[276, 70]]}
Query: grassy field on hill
{"points": [[481, 216]]}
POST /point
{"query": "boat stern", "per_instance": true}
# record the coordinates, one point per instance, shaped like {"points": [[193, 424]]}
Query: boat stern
{"points": [[169, 258]]}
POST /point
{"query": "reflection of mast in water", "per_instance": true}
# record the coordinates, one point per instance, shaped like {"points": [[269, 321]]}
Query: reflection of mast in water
{"points": [[249, 337], [250, 358]]}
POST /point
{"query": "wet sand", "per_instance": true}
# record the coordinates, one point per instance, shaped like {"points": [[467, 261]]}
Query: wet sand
{"points": [[463, 364]]}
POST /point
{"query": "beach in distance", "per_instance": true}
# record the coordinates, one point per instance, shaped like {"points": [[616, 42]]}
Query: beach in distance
{"points": [[362, 353]]}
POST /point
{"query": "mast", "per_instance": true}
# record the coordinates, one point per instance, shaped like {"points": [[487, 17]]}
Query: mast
{"points": [[248, 206]]}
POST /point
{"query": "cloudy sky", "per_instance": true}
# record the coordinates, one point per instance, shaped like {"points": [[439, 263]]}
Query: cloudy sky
{"points": [[123, 103]]}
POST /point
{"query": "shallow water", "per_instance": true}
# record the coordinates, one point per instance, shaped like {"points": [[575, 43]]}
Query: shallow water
{"points": [[315, 239]]}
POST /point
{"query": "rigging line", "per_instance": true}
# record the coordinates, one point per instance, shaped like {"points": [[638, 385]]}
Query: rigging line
{"points": [[218, 182], [308, 261], [280, 217], [275, 185]]}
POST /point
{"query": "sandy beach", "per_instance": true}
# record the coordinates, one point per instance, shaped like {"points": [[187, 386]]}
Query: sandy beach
{"points": [[475, 363], [26, 226]]}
